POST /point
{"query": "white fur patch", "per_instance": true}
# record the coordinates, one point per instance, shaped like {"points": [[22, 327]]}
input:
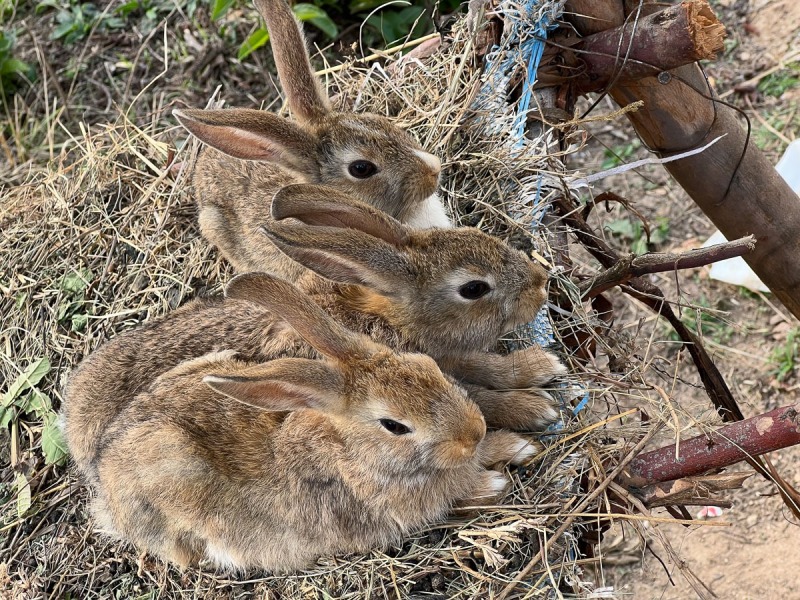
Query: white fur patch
{"points": [[430, 213], [430, 159], [221, 558], [497, 482], [523, 450]]}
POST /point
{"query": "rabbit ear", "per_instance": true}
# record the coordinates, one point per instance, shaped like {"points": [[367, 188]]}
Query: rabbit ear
{"points": [[304, 93], [326, 206], [252, 135], [284, 384], [287, 302], [344, 255]]}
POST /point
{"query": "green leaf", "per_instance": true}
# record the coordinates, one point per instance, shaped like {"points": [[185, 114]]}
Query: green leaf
{"points": [[12, 65], [220, 8], [128, 8], [639, 246], [62, 30], [325, 25], [43, 6], [32, 375], [23, 494], [621, 227], [306, 12], [53, 446], [35, 402], [364, 5], [256, 39], [78, 322], [76, 282], [20, 299], [6, 414]]}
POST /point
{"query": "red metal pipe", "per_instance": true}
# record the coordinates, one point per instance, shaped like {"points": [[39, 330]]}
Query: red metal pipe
{"points": [[727, 445]]}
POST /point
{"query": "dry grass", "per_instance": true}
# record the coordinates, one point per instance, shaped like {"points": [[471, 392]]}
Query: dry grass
{"points": [[102, 238]]}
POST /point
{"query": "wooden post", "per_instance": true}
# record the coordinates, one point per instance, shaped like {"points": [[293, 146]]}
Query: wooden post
{"points": [[664, 40], [732, 182]]}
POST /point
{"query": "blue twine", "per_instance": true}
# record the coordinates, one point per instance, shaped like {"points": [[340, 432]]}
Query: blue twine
{"points": [[528, 26]]}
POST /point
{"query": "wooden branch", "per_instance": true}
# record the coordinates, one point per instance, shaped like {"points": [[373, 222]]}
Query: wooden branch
{"points": [[779, 428], [630, 265], [652, 297], [676, 36], [690, 491], [732, 182]]}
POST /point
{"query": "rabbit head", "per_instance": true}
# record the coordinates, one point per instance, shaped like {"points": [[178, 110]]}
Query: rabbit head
{"points": [[446, 291], [398, 405], [361, 154]]}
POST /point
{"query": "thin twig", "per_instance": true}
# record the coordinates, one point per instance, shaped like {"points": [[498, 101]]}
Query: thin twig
{"points": [[630, 265], [580, 508]]}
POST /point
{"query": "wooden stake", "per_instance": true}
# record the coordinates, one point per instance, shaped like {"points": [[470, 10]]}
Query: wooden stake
{"points": [[732, 182]]}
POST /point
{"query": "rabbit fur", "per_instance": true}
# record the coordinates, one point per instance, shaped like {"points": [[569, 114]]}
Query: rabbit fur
{"points": [[254, 153], [272, 465], [397, 285]]}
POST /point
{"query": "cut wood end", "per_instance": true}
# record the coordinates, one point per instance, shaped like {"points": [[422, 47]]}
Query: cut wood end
{"points": [[706, 30]]}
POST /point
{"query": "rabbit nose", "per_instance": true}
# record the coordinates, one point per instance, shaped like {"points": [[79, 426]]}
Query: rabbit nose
{"points": [[431, 160]]}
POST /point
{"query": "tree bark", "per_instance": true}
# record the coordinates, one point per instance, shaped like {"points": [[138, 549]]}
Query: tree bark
{"points": [[779, 428], [732, 182]]}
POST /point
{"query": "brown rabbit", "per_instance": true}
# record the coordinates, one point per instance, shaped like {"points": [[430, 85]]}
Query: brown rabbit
{"points": [[361, 154], [403, 288], [273, 465]]}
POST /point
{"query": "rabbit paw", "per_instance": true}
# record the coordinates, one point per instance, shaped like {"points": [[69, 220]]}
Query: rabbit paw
{"points": [[506, 447], [531, 367], [491, 485], [523, 410]]}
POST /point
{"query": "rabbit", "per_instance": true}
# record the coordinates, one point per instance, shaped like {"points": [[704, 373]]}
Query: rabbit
{"points": [[271, 465], [400, 286], [361, 154]]}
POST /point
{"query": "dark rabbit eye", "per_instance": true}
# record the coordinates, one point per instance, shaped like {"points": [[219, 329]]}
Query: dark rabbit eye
{"points": [[473, 290], [361, 169], [394, 427]]}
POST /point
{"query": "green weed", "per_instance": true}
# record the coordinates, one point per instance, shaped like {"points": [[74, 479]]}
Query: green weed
{"points": [[779, 82], [784, 358], [12, 70], [618, 155], [632, 233]]}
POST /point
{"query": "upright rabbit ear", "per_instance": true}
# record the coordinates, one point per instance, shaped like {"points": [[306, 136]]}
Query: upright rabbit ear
{"points": [[321, 205], [252, 135], [344, 255], [312, 323], [284, 385], [304, 93]]}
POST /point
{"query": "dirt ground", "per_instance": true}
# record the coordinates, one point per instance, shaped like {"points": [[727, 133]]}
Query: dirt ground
{"points": [[756, 553]]}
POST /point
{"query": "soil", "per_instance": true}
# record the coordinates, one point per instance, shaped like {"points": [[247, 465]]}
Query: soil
{"points": [[756, 555]]}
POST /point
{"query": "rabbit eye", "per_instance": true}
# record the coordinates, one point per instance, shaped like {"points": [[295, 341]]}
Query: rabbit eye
{"points": [[473, 290], [361, 169], [394, 427]]}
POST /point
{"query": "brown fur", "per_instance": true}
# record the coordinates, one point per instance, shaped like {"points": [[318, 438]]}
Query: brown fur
{"points": [[188, 473], [402, 301], [234, 195]]}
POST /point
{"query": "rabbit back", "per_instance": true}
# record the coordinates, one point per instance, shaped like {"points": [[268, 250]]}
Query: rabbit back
{"points": [[109, 378], [219, 480], [234, 198]]}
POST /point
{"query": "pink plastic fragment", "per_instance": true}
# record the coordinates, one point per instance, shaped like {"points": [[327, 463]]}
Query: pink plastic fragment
{"points": [[709, 512]]}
